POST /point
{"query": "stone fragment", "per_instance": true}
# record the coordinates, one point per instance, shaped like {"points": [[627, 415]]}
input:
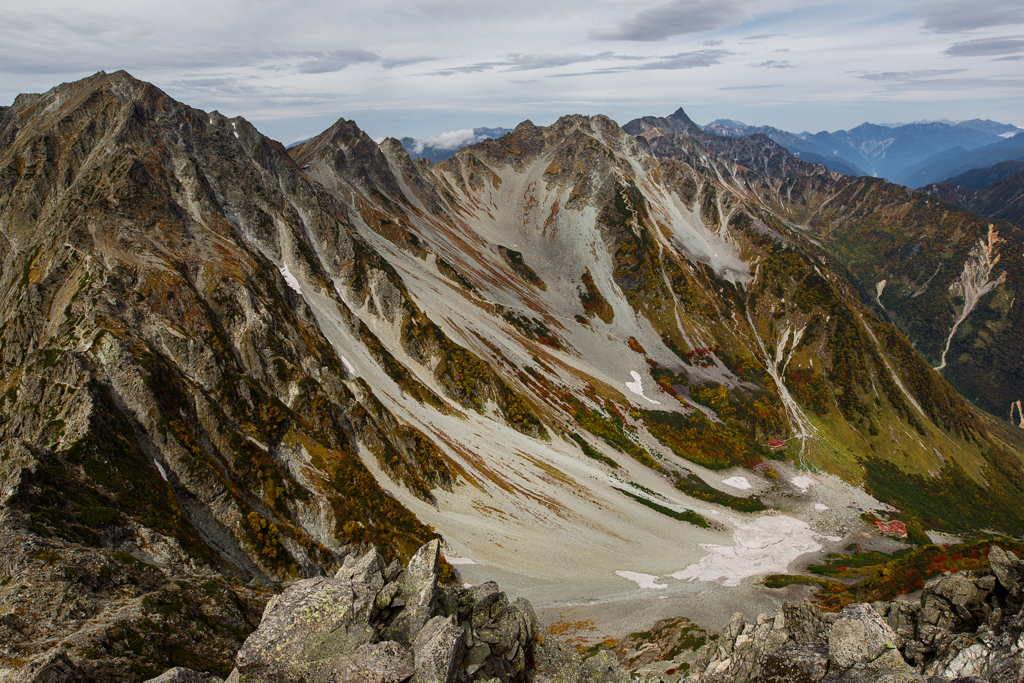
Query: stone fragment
{"points": [[1006, 567], [419, 591], [55, 668], [369, 565], [859, 636], [604, 668], [390, 661], [804, 663], [180, 674], [438, 649], [313, 619], [476, 658], [386, 595]]}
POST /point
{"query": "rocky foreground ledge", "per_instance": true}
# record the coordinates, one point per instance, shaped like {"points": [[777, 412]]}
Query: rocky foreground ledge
{"points": [[379, 623], [966, 627]]}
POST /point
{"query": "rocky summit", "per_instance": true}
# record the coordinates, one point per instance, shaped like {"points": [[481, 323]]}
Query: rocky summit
{"points": [[596, 361]]}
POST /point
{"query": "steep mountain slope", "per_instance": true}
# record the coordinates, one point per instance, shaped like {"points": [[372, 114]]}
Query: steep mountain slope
{"points": [[1002, 200], [674, 232], [947, 278], [759, 152], [550, 349], [980, 178], [162, 384]]}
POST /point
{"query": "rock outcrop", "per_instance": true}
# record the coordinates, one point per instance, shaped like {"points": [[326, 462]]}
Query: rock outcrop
{"points": [[380, 623], [967, 626]]}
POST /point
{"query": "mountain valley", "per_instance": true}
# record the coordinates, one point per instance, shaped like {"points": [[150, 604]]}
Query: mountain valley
{"points": [[622, 370]]}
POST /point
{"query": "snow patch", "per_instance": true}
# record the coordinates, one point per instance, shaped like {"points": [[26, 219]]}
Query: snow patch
{"points": [[879, 287], [804, 482], [737, 482], [161, 470], [642, 580], [289, 278], [458, 560], [820, 506], [637, 387], [766, 546]]}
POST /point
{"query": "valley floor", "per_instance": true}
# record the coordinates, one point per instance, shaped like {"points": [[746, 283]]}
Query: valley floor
{"points": [[572, 580]]}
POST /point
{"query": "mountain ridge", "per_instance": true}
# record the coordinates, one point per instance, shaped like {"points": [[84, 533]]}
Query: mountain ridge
{"points": [[272, 367]]}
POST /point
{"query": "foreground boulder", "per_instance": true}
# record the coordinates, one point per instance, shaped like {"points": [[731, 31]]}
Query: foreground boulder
{"points": [[380, 623], [967, 627]]}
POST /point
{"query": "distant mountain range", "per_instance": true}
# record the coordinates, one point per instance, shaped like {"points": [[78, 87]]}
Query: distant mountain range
{"points": [[913, 154], [958, 160]]}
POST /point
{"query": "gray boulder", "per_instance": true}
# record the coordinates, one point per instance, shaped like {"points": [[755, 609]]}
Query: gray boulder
{"points": [[860, 636], [1007, 568], [419, 593], [804, 663], [312, 620], [439, 648], [180, 674]]}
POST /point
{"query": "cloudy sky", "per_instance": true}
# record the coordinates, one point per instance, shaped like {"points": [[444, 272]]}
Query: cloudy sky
{"points": [[421, 67]]}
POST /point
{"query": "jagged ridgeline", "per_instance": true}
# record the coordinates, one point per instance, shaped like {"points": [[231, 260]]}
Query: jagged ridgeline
{"points": [[262, 360]]}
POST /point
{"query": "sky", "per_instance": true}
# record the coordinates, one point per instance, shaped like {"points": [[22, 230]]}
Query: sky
{"points": [[423, 67]]}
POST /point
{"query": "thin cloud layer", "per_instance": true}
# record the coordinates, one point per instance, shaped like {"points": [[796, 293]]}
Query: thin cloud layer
{"points": [[337, 60], [674, 18], [909, 75], [775, 64], [986, 47], [687, 60], [959, 16]]}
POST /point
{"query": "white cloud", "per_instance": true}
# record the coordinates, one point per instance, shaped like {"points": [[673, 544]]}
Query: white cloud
{"points": [[451, 140]]}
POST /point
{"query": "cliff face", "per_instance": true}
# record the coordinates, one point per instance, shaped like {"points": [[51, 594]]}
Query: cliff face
{"points": [[219, 365]]}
